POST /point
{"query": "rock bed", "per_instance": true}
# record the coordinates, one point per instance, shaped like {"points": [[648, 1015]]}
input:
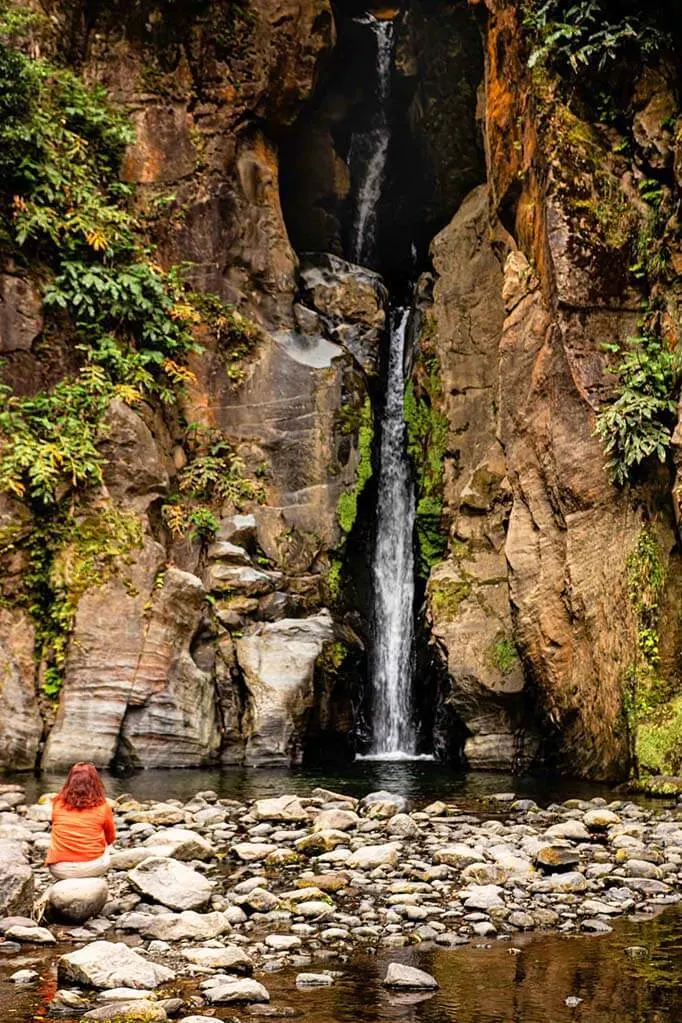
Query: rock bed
{"points": [[204, 895]]}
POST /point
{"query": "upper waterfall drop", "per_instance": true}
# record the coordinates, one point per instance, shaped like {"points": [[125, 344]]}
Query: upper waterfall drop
{"points": [[369, 150]]}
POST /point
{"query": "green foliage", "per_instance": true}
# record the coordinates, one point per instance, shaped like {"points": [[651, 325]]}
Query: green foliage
{"points": [[659, 740], [574, 36], [503, 655], [640, 420], [427, 439], [347, 506], [68, 554], [653, 721], [334, 578], [446, 595], [235, 334], [218, 474]]}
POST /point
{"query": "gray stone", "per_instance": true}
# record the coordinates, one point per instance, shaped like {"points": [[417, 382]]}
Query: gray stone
{"points": [[368, 856], [78, 899], [182, 844], [104, 964], [314, 980], [171, 883], [224, 991], [408, 978], [30, 935], [187, 926], [229, 957], [16, 880], [281, 808]]}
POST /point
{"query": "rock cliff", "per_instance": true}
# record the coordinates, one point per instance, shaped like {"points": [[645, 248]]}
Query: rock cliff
{"points": [[200, 594]]}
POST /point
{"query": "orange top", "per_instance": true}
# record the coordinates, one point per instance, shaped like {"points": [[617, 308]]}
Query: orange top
{"points": [[80, 835]]}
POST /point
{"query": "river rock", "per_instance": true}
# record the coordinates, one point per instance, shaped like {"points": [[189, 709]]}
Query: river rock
{"points": [[572, 881], [457, 856], [553, 858], [320, 842], [368, 856], [16, 880], [171, 883], [483, 897], [573, 831], [283, 808], [30, 935], [181, 844], [187, 926], [77, 899], [402, 826], [223, 991], [104, 964], [407, 978], [229, 957], [336, 820], [381, 805], [128, 1012], [250, 852], [314, 980], [600, 819]]}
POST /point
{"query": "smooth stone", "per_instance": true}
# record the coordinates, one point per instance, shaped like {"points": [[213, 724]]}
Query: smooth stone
{"points": [[484, 896], [408, 978], [368, 856], [25, 976], [128, 1012], [571, 882], [225, 992], [573, 831], [554, 858], [105, 964], [187, 926], [182, 844], [336, 820], [78, 899], [458, 856], [600, 820], [281, 808], [283, 942], [250, 852], [30, 935], [314, 980], [382, 805], [229, 957], [171, 883]]}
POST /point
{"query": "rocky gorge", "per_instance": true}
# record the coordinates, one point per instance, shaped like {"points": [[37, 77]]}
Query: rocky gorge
{"points": [[194, 378], [208, 899]]}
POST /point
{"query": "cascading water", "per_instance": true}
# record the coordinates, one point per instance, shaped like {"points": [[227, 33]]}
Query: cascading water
{"points": [[394, 732], [369, 149], [393, 567]]}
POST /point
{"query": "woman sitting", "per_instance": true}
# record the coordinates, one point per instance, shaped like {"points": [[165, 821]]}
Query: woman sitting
{"points": [[82, 826]]}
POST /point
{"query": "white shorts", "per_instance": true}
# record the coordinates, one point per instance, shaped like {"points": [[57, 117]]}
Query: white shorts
{"points": [[64, 870]]}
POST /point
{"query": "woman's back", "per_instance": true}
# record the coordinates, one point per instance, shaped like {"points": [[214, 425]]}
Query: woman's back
{"points": [[80, 834]]}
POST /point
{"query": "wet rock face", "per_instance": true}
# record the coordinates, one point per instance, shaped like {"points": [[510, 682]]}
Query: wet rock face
{"points": [[21, 726], [467, 594]]}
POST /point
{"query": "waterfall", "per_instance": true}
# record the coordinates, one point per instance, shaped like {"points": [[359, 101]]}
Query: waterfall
{"points": [[369, 149], [393, 566], [394, 729]]}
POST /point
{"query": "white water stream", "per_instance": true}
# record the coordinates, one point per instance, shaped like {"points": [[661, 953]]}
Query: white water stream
{"points": [[394, 731], [369, 150], [393, 567]]}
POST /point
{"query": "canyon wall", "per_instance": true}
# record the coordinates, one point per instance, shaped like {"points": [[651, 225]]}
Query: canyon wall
{"points": [[249, 645]]}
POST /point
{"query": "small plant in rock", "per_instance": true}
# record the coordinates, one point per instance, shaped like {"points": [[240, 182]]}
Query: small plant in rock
{"points": [[639, 422]]}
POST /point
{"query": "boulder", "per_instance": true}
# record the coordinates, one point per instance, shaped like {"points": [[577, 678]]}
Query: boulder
{"points": [[186, 926], [105, 964], [223, 991], [381, 805], [138, 1011], [16, 880], [21, 726], [32, 935], [171, 883], [181, 844], [369, 856], [77, 899], [282, 808], [408, 978], [278, 663], [336, 820], [229, 957]]}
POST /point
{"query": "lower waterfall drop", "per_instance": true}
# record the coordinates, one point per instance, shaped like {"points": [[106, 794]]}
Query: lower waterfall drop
{"points": [[393, 568]]}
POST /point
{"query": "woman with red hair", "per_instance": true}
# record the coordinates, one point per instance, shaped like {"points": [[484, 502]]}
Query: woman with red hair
{"points": [[82, 826]]}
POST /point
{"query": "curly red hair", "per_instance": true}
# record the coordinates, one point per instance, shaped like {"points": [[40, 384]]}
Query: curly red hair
{"points": [[83, 788]]}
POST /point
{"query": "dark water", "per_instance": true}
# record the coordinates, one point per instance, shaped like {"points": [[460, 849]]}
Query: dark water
{"points": [[486, 984], [421, 781]]}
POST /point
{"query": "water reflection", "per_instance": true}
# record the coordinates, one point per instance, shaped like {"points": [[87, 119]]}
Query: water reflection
{"points": [[420, 781]]}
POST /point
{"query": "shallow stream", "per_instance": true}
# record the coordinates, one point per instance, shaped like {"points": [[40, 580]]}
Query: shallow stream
{"points": [[525, 980]]}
